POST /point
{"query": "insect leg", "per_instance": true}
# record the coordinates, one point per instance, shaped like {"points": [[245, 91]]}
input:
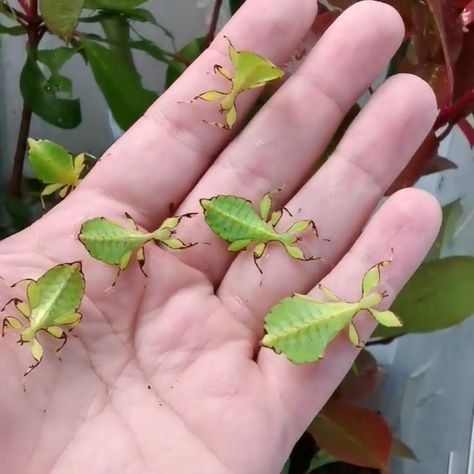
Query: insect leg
{"points": [[141, 260], [218, 69], [58, 333], [13, 323], [68, 320], [276, 217], [9, 302], [354, 336], [63, 192], [131, 220], [258, 253], [37, 353], [48, 190], [239, 245], [266, 206], [328, 294]]}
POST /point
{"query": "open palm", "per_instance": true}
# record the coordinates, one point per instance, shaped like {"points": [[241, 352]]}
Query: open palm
{"points": [[165, 373]]}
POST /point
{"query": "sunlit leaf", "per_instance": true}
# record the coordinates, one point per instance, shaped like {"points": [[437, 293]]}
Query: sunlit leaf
{"points": [[353, 434], [61, 16], [438, 296]]}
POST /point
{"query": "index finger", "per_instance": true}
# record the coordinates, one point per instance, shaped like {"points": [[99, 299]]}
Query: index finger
{"points": [[154, 165]]}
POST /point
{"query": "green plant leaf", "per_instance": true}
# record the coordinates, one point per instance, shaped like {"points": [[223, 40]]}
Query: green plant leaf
{"points": [[452, 214], [118, 5], [61, 16], [55, 58], [235, 5], [189, 53], [353, 434], [439, 295], [125, 96], [12, 30], [151, 49], [19, 212], [320, 459], [5, 10], [43, 100]]}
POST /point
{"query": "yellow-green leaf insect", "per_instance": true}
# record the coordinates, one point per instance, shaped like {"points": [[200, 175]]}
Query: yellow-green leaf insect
{"points": [[55, 167], [115, 245], [234, 220], [301, 328], [251, 71], [52, 302]]}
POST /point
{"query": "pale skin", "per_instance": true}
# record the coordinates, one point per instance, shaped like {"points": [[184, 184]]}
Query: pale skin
{"points": [[166, 374]]}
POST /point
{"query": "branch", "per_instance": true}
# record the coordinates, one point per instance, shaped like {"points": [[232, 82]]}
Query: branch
{"points": [[455, 112], [213, 26]]}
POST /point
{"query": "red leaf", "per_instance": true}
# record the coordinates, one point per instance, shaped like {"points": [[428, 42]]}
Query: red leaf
{"points": [[467, 15], [436, 75], [361, 381], [464, 71], [439, 164], [402, 451], [468, 131], [321, 24], [353, 434], [427, 152], [449, 27]]}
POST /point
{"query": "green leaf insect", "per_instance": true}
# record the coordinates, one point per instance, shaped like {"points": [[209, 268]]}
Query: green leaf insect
{"points": [[301, 328], [115, 245], [55, 167], [52, 301], [251, 71], [234, 220]]}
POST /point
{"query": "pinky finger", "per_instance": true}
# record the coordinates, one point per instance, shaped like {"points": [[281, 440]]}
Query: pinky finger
{"points": [[408, 224]]}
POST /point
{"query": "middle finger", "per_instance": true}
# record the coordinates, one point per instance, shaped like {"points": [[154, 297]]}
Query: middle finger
{"points": [[281, 144]]}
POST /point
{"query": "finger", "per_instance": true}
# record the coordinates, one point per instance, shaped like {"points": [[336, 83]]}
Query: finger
{"points": [[153, 166], [408, 224], [281, 145], [339, 198]]}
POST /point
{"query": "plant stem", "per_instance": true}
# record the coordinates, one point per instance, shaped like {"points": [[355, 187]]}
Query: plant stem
{"points": [[17, 172], [34, 36], [213, 26]]}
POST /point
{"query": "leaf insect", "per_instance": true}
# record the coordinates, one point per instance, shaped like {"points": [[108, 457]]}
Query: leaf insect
{"points": [[115, 245], [234, 220], [251, 71], [52, 301], [301, 328], [55, 167]]}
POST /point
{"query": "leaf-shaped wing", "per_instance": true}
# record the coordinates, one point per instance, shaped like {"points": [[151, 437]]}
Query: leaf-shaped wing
{"points": [[110, 242], [233, 218], [59, 293], [51, 163], [254, 71], [301, 328]]}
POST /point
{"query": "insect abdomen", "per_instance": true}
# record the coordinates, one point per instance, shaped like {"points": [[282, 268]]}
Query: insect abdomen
{"points": [[233, 218]]}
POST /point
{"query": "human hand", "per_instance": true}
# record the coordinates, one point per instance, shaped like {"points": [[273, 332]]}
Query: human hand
{"points": [[165, 374]]}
